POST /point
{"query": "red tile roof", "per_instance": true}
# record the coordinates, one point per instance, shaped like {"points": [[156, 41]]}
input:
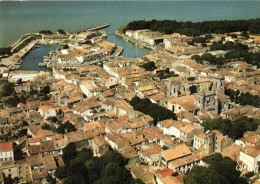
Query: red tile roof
{"points": [[6, 146], [175, 153], [165, 172]]}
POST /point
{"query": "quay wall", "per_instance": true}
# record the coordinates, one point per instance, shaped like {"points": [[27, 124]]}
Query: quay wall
{"points": [[132, 40]]}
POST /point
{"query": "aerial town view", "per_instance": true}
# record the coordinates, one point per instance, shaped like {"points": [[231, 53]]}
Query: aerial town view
{"points": [[129, 92]]}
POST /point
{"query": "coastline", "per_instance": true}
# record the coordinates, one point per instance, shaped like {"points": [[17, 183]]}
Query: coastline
{"points": [[27, 42], [138, 44]]}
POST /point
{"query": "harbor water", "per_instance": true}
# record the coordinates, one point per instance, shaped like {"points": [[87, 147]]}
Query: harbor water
{"points": [[31, 60], [18, 18]]}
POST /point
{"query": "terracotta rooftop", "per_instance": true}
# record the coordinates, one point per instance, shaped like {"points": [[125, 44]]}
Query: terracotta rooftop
{"points": [[170, 180], [99, 141], [6, 146], [165, 172], [252, 151], [175, 153], [34, 160], [49, 162], [187, 160], [232, 151], [186, 102], [46, 108]]}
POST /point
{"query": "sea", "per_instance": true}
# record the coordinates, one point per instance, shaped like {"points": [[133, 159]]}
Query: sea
{"points": [[18, 18]]}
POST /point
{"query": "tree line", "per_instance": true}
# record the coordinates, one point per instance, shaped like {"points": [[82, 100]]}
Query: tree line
{"points": [[243, 98], [196, 28], [235, 50], [234, 129]]}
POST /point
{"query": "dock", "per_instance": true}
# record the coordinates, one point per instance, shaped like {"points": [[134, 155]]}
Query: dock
{"points": [[23, 52], [97, 27]]}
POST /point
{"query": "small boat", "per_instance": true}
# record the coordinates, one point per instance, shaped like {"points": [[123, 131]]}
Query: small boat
{"points": [[42, 64], [45, 57], [46, 60]]}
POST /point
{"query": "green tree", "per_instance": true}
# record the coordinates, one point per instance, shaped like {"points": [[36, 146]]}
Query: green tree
{"points": [[69, 127], [207, 57], [61, 172], [197, 175], [50, 179], [193, 89], [6, 89], [69, 153], [45, 90], [12, 102], [114, 157], [149, 66], [61, 31], [221, 170]]}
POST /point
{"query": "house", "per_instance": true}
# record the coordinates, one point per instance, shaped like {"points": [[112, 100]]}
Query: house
{"points": [[184, 103], [188, 131], [14, 76], [49, 164], [22, 88], [174, 154], [35, 161], [37, 132], [185, 164], [116, 141], [249, 158], [121, 107], [39, 176], [171, 127], [108, 47], [150, 153], [9, 169], [6, 152], [232, 151], [161, 174], [24, 170], [47, 111], [130, 154], [183, 130], [100, 146], [81, 139], [89, 88]]}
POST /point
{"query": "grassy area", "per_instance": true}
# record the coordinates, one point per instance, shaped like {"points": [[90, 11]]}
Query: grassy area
{"points": [[121, 30]]}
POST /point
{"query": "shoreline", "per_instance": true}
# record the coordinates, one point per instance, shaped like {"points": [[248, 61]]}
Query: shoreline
{"points": [[126, 38], [22, 46]]}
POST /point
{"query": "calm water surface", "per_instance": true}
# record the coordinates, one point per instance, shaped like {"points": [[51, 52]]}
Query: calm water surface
{"points": [[17, 18], [30, 61]]}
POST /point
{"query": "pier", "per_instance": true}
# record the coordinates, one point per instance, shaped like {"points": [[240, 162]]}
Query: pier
{"points": [[23, 52], [97, 27]]}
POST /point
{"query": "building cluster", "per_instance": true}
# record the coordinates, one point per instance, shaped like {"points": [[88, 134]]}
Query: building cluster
{"points": [[86, 46], [96, 101]]}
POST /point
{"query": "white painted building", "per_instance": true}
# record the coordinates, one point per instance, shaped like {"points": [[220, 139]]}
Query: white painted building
{"points": [[6, 152], [249, 157], [89, 88], [47, 111], [169, 127], [23, 75]]}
